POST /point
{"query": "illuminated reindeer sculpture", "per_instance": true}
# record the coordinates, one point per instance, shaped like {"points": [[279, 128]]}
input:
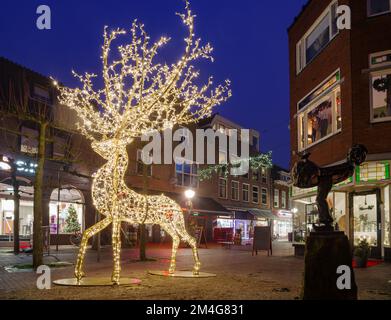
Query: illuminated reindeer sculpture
{"points": [[138, 97]]}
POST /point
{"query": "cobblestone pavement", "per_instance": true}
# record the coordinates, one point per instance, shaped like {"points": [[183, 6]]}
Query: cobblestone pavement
{"points": [[239, 275]]}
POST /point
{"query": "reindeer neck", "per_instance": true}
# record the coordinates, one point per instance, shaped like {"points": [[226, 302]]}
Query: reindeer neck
{"points": [[118, 164], [114, 169]]}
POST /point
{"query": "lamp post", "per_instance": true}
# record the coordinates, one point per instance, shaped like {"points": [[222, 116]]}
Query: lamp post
{"points": [[8, 164], [189, 194]]}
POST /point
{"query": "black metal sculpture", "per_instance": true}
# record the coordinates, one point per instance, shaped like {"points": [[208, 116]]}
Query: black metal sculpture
{"points": [[306, 174]]}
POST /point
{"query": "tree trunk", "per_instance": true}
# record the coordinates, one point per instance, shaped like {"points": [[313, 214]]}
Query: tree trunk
{"points": [[143, 231], [143, 242], [38, 205]]}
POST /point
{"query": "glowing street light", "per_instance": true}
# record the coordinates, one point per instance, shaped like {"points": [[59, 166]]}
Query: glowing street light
{"points": [[189, 194]]}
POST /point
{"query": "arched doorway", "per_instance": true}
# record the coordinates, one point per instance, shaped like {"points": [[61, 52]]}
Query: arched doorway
{"points": [[66, 211]]}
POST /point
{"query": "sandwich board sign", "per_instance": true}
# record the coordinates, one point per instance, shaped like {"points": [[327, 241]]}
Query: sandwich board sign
{"points": [[262, 240]]}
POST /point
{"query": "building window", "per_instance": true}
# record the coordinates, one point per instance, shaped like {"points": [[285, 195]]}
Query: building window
{"points": [[264, 196], [317, 37], [60, 147], [381, 95], [255, 194], [41, 94], [255, 175], [223, 159], [187, 174], [377, 7], [373, 171], [380, 86], [235, 190], [140, 165], [283, 199], [29, 141], [276, 201], [245, 191], [223, 188], [264, 175], [319, 113]]}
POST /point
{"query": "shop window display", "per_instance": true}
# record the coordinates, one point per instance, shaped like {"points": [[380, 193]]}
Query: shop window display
{"points": [[365, 219], [70, 215], [387, 213], [320, 113]]}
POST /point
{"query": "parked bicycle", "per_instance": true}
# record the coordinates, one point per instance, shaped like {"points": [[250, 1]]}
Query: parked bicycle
{"points": [[75, 239]]}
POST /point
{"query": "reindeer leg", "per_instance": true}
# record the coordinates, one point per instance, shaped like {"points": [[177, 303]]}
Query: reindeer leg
{"points": [[83, 245], [116, 243], [175, 244], [193, 243]]}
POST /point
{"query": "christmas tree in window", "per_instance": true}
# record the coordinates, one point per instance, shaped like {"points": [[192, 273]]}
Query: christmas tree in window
{"points": [[72, 224]]}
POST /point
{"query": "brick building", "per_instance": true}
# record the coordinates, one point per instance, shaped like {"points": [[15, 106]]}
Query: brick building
{"points": [[340, 84], [220, 205]]}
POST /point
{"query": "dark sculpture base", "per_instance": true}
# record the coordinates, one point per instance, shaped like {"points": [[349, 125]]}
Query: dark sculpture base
{"points": [[323, 228], [325, 252]]}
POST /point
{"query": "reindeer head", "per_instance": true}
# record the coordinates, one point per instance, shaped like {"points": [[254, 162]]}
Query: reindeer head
{"points": [[108, 148], [139, 94]]}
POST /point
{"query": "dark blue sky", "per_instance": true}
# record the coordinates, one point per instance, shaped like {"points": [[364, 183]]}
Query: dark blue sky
{"points": [[249, 37]]}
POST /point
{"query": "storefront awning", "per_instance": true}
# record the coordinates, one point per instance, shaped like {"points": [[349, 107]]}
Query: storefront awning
{"points": [[262, 214], [200, 204], [204, 204]]}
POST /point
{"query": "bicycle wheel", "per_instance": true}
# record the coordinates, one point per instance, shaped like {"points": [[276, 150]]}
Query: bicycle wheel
{"points": [[75, 239]]}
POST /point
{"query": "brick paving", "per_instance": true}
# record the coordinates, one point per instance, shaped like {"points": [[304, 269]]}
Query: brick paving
{"points": [[239, 276]]}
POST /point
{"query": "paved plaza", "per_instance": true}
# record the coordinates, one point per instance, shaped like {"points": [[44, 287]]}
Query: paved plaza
{"points": [[239, 275]]}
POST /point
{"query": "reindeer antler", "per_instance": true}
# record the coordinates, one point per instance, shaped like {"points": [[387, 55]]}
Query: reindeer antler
{"points": [[140, 95]]}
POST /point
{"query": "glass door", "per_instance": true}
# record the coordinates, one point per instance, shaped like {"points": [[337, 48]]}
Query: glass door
{"points": [[366, 220]]}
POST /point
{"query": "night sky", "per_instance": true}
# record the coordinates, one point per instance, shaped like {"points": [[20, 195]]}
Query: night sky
{"points": [[249, 38]]}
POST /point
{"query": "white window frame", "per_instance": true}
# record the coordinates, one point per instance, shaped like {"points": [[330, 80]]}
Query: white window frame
{"points": [[376, 14], [252, 194], [301, 44], [183, 174], [378, 69], [237, 189], [263, 174], [372, 75], [226, 188], [263, 191], [248, 192], [276, 193], [283, 199], [312, 105]]}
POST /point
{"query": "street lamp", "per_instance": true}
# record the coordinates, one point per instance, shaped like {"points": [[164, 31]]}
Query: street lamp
{"points": [[189, 194]]}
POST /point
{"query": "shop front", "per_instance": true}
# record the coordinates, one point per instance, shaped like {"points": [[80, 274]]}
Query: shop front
{"points": [[282, 225], [7, 213], [360, 207], [240, 224]]}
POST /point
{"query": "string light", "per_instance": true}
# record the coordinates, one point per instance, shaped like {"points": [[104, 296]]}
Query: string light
{"points": [[139, 96]]}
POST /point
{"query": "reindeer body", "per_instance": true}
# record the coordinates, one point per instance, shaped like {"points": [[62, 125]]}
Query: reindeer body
{"points": [[118, 203]]}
